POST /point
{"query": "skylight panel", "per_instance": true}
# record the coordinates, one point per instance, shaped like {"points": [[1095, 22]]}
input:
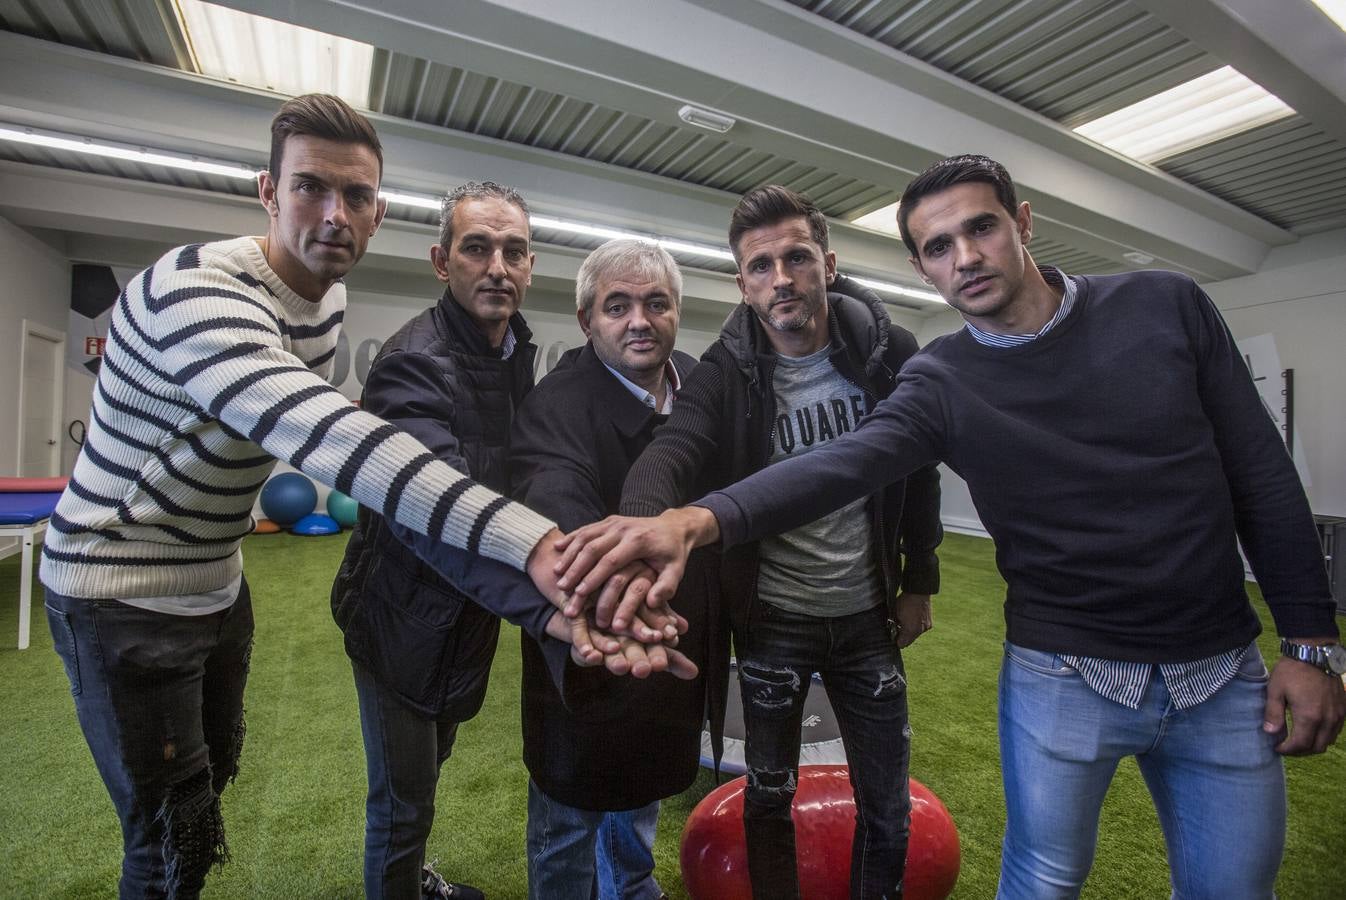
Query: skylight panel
{"points": [[1201, 111], [1334, 10], [883, 219], [276, 56]]}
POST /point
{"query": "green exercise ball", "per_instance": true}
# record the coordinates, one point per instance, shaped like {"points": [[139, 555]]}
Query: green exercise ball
{"points": [[342, 508]]}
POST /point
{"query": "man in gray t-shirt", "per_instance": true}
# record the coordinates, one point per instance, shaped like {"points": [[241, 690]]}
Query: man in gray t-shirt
{"points": [[827, 567], [803, 358]]}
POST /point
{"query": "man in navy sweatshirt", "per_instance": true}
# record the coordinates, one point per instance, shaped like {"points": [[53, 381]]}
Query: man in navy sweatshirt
{"points": [[1118, 453]]}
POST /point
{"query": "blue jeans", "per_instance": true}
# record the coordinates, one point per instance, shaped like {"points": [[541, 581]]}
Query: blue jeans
{"points": [[404, 751], [580, 854], [862, 672], [1217, 783], [160, 701]]}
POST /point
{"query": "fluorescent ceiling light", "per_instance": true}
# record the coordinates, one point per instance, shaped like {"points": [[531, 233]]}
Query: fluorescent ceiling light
{"points": [[1334, 10], [883, 219], [899, 289], [672, 245], [416, 200], [419, 201], [122, 151], [263, 53], [1201, 111]]}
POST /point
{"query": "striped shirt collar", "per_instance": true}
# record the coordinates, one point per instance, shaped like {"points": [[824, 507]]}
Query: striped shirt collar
{"points": [[509, 343], [1054, 277], [644, 396]]}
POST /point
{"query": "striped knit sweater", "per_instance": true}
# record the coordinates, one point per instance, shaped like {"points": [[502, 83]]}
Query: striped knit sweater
{"points": [[213, 369]]}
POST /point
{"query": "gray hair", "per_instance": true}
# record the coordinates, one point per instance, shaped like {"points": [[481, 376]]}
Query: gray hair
{"points": [[474, 190], [626, 256]]}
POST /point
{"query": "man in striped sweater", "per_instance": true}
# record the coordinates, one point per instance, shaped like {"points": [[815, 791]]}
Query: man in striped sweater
{"points": [[216, 366]]}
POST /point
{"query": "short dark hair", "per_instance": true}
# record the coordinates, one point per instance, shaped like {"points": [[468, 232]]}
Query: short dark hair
{"points": [[769, 204], [474, 190], [945, 174], [323, 116]]}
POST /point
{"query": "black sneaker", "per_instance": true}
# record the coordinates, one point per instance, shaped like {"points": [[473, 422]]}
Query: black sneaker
{"points": [[434, 887]]}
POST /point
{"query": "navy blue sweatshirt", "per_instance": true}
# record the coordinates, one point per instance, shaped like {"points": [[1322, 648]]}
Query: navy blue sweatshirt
{"points": [[1116, 461]]}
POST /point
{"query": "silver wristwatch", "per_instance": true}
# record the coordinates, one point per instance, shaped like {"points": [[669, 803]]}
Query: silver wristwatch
{"points": [[1331, 658]]}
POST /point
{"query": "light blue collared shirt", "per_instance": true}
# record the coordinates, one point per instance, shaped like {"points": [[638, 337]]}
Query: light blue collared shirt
{"points": [[644, 396]]}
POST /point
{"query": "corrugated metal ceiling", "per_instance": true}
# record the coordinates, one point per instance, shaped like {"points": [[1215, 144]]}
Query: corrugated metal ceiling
{"points": [[1071, 60], [144, 30], [1076, 60], [466, 101], [1288, 172]]}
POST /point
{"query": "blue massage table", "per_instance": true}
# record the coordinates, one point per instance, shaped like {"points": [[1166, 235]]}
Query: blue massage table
{"points": [[24, 514]]}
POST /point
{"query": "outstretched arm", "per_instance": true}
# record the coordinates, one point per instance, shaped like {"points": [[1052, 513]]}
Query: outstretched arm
{"points": [[221, 342], [898, 437]]}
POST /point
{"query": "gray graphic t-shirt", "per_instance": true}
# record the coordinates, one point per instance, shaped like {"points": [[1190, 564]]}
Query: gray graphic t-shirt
{"points": [[827, 567]]}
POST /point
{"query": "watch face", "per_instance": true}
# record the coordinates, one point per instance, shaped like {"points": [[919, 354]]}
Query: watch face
{"points": [[1336, 658]]}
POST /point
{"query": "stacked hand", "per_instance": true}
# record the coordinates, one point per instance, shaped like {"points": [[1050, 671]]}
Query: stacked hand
{"points": [[639, 641], [593, 554]]}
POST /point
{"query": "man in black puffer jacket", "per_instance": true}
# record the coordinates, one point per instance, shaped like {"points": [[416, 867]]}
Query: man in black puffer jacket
{"points": [[422, 649]]}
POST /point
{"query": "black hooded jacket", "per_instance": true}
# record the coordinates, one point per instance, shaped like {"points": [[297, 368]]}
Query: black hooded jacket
{"points": [[720, 432]]}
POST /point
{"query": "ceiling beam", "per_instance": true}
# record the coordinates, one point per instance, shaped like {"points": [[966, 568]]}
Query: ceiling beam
{"points": [[131, 216]]}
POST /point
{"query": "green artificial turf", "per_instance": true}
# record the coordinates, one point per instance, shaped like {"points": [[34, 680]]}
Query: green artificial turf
{"points": [[295, 816]]}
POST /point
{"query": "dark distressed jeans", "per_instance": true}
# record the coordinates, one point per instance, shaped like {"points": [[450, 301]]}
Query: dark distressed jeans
{"points": [[862, 672], [160, 700]]}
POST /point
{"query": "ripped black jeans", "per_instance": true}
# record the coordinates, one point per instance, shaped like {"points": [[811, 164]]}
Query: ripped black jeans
{"points": [[160, 700], [862, 672]]}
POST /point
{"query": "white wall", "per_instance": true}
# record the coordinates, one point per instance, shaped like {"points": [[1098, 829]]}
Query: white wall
{"points": [[35, 286], [1299, 298]]}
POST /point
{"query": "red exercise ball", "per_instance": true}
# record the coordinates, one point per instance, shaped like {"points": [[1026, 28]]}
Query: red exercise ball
{"points": [[933, 857], [714, 859]]}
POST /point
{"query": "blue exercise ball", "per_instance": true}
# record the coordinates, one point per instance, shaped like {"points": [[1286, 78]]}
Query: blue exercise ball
{"points": [[342, 508], [316, 523], [288, 497]]}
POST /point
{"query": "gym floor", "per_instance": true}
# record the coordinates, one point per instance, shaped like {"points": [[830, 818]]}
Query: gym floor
{"points": [[295, 816]]}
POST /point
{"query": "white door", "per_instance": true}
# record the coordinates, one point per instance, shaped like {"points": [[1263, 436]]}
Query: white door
{"points": [[42, 370]]}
